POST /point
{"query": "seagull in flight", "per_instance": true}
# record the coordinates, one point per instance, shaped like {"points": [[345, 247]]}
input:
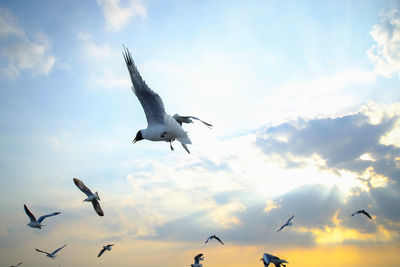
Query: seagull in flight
{"points": [[16, 265], [37, 223], [90, 196], [268, 258], [214, 237], [288, 223], [197, 260], [160, 125], [108, 247], [363, 212], [51, 255]]}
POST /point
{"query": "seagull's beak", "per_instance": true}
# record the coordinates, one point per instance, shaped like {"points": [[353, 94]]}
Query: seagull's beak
{"points": [[134, 140]]}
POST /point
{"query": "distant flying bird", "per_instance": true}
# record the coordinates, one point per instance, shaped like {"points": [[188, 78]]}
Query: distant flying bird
{"points": [[53, 254], [214, 237], [187, 119], [16, 265], [108, 247], [37, 223], [288, 223], [268, 258], [363, 212], [197, 260], [160, 125], [90, 196]]}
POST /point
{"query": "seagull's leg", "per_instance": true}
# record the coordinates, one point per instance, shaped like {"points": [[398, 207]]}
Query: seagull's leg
{"points": [[170, 145]]}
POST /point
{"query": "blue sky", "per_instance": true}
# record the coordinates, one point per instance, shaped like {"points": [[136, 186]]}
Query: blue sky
{"points": [[303, 95]]}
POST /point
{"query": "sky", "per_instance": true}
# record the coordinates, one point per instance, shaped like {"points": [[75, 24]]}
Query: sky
{"points": [[304, 97]]}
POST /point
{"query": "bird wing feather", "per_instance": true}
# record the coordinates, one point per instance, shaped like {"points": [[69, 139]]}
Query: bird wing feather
{"points": [[42, 251], [219, 240], [57, 250], [30, 215], [47, 215], [97, 208], [101, 252], [82, 187], [151, 102], [187, 119]]}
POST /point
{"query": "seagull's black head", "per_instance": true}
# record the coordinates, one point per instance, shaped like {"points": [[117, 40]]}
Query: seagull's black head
{"points": [[138, 137]]}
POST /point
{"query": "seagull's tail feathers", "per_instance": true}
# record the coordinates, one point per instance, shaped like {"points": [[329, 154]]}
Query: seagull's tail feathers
{"points": [[184, 139], [187, 150]]}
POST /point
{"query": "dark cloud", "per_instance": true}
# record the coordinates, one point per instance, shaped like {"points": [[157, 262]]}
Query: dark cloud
{"points": [[339, 141]]}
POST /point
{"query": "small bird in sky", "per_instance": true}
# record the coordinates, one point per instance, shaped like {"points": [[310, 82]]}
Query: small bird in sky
{"points": [[214, 237], [53, 254], [160, 125], [90, 196], [37, 223], [288, 223], [363, 212], [16, 265], [108, 247], [268, 258], [197, 260]]}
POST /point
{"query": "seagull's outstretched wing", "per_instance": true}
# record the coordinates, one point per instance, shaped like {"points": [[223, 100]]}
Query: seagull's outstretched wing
{"points": [[30, 215], [198, 258], [220, 241], [354, 213], [366, 214], [97, 208], [187, 119], [82, 187], [42, 251], [101, 252], [266, 259], [57, 250], [288, 221], [47, 215], [151, 102], [208, 239]]}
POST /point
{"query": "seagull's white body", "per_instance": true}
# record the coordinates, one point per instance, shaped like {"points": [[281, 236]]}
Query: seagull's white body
{"points": [[171, 129], [160, 125], [268, 258], [92, 197], [37, 223], [288, 223], [53, 254]]}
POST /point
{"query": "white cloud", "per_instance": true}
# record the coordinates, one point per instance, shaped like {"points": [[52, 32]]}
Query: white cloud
{"points": [[9, 24], [21, 51], [108, 70], [118, 16], [385, 54]]}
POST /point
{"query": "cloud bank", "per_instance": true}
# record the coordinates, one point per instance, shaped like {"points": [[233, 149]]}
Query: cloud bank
{"points": [[19, 51], [118, 16], [385, 54]]}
